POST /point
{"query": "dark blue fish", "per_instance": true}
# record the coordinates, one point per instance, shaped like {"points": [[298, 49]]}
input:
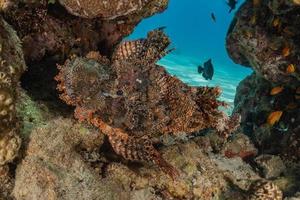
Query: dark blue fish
{"points": [[207, 71], [232, 4], [213, 17]]}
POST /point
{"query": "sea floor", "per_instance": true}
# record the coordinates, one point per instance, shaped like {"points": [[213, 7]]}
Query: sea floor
{"points": [[226, 77]]}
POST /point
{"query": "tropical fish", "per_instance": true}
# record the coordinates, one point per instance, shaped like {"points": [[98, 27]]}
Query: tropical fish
{"points": [[286, 51], [276, 22], [253, 20], [291, 68], [274, 117], [213, 17], [291, 106], [207, 71], [232, 4], [276, 90]]}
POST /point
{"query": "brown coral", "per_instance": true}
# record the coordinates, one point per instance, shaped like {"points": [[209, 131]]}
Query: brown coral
{"points": [[11, 67], [268, 50], [139, 98], [265, 190], [109, 9]]}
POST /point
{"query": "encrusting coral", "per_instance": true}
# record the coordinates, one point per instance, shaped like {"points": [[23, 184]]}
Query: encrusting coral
{"points": [[265, 36], [11, 67], [134, 101], [48, 29], [110, 9], [269, 43], [264, 190]]}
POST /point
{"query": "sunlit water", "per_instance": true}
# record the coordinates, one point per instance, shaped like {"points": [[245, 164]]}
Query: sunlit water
{"points": [[196, 39]]}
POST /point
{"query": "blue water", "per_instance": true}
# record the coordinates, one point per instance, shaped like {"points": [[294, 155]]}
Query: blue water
{"points": [[196, 39]]}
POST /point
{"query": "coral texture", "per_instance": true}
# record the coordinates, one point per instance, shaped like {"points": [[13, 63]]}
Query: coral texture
{"points": [[11, 67], [111, 9], [134, 95], [263, 190], [265, 36], [55, 169], [267, 41]]}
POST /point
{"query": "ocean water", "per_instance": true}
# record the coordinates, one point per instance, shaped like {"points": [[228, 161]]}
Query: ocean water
{"points": [[196, 39]]}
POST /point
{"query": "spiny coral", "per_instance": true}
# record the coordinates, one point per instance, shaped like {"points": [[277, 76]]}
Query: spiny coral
{"points": [[264, 190], [11, 67], [109, 9], [134, 95]]}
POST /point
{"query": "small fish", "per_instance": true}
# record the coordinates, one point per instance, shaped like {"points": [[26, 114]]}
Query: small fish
{"points": [[276, 90], [276, 22], [291, 106], [286, 51], [291, 68], [253, 20], [248, 34], [274, 117], [232, 4], [207, 71], [213, 17]]}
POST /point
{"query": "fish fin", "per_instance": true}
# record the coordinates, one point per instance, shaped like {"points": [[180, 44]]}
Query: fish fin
{"points": [[135, 149], [200, 69]]}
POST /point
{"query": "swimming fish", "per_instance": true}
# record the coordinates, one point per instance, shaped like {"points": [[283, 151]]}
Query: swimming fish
{"points": [[291, 68], [274, 117], [207, 71], [276, 90], [213, 17], [276, 22], [231, 4], [286, 51], [253, 20]]}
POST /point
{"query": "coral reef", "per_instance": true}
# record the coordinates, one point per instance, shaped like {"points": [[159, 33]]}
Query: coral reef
{"points": [[269, 45], [11, 67], [112, 9], [264, 36], [136, 111], [134, 95], [269, 42], [54, 168], [265, 190]]}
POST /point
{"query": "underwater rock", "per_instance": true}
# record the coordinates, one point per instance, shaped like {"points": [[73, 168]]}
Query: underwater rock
{"points": [[112, 9], [266, 41], [253, 93], [53, 169], [272, 166], [134, 101], [47, 29], [237, 171], [239, 146]]}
